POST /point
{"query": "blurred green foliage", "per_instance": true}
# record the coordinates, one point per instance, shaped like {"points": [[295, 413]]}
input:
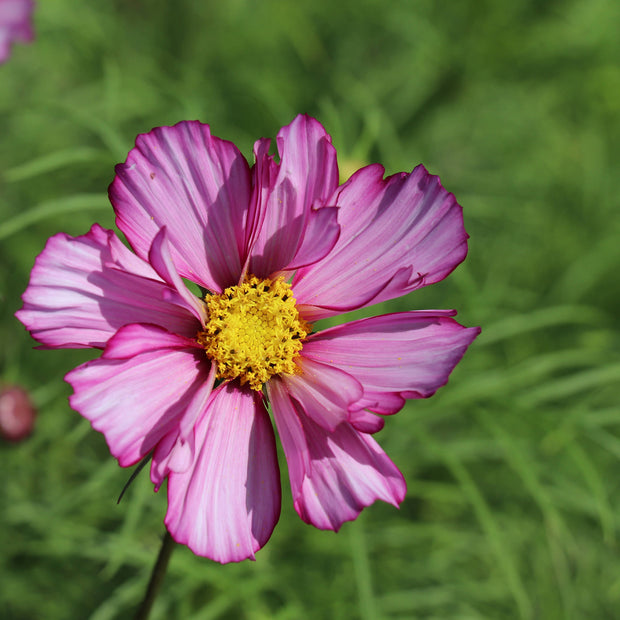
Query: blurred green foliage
{"points": [[513, 468]]}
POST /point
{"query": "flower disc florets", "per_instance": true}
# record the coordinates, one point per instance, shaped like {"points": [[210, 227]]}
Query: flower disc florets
{"points": [[254, 331]]}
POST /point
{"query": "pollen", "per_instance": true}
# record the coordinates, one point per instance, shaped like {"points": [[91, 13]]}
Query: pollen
{"points": [[254, 331]]}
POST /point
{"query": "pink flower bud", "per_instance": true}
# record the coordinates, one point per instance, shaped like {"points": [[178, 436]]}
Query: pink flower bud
{"points": [[17, 413]]}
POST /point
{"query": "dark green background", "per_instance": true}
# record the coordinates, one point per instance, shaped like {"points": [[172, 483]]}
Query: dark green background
{"points": [[513, 470]]}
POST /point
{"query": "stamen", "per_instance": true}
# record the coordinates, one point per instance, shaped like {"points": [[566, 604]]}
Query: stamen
{"points": [[254, 331]]}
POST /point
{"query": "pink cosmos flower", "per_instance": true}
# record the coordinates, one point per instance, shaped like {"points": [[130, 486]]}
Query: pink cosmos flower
{"points": [[275, 247], [15, 24]]}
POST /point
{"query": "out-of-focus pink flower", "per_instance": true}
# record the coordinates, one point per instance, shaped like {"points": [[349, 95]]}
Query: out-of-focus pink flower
{"points": [[275, 246], [17, 413], [15, 24]]}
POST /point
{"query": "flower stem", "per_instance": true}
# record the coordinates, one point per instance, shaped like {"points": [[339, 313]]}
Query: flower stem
{"points": [[157, 577]]}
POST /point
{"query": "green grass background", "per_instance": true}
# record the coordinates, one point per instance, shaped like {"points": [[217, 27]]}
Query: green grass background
{"points": [[513, 508]]}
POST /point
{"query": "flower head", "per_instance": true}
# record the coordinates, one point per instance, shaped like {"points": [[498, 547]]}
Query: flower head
{"points": [[15, 24], [275, 246]]}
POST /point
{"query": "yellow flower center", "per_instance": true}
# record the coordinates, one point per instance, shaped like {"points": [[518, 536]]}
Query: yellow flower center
{"points": [[254, 331]]}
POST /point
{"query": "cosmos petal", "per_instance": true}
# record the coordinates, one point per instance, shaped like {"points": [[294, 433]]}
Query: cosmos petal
{"points": [[307, 176], [319, 238], [175, 452], [160, 258], [227, 503], [366, 422], [395, 356], [134, 339], [397, 234], [264, 175], [172, 453], [83, 289], [325, 393], [333, 475], [135, 402], [198, 187]]}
